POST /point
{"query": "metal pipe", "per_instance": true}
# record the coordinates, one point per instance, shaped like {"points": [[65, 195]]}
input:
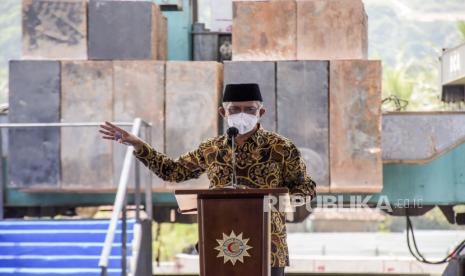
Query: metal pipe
{"points": [[148, 184], [148, 201], [124, 252], [137, 189], [120, 195], [2, 184], [120, 203], [25, 125], [233, 151]]}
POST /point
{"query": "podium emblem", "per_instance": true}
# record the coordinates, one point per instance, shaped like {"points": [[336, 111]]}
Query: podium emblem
{"points": [[233, 248]]}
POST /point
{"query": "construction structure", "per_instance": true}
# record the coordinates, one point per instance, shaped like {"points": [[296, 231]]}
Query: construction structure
{"points": [[121, 60]]}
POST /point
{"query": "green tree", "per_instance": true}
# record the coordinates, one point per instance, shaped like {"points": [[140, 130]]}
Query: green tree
{"points": [[397, 87], [170, 239], [412, 84], [461, 29]]}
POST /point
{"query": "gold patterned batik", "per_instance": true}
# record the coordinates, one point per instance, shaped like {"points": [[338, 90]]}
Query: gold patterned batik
{"points": [[264, 160]]}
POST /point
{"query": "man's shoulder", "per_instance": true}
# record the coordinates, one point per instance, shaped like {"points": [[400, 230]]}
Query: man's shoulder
{"points": [[212, 141], [268, 136], [287, 146], [277, 138]]}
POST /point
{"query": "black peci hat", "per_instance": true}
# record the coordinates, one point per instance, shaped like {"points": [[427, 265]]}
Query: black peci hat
{"points": [[242, 92]]}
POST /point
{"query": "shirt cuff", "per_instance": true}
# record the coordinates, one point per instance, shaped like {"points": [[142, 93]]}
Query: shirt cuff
{"points": [[144, 149]]}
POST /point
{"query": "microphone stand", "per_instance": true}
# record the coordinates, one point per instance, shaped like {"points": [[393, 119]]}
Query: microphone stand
{"points": [[232, 133], [234, 179]]}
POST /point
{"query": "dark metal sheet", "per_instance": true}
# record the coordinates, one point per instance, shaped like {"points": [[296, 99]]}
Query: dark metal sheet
{"points": [[303, 112], [205, 43], [34, 153], [121, 30]]}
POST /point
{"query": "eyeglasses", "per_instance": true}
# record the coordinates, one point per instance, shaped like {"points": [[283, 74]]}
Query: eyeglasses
{"points": [[246, 109]]}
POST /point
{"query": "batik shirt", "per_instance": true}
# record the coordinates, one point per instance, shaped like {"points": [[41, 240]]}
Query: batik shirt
{"points": [[264, 160]]}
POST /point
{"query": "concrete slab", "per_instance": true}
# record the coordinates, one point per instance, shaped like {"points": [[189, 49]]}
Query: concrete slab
{"points": [[54, 29], [139, 91], [355, 126], [303, 112], [331, 29], [34, 97], [264, 30], [122, 30], [193, 92], [87, 96]]}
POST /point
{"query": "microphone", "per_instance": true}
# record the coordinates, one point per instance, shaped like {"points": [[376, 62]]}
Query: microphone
{"points": [[232, 133]]}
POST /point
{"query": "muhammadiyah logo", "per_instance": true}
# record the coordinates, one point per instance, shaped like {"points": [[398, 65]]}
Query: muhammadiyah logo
{"points": [[233, 248]]}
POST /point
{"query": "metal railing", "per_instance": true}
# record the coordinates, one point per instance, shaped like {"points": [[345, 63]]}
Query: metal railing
{"points": [[120, 203], [119, 206]]}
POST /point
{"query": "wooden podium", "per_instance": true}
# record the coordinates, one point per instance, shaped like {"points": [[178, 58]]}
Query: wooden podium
{"points": [[234, 229]]}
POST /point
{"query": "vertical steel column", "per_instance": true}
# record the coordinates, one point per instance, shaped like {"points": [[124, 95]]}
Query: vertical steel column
{"points": [[148, 185], [123, 239], [137, 194]]}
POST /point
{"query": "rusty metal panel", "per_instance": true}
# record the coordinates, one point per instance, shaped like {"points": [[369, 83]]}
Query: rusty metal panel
{"points": [[87, 96], [302, 92], [54, 29], [159, 33], [193, 91], [261, 72], [331, 29], [163, 42], [435, 134], [139, 91], [121, 30], [155, 21], [34, 97], [264, 30], [355, 126]]}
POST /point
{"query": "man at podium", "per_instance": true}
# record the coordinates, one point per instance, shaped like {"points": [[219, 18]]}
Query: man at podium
{"points": [[263, 159]]}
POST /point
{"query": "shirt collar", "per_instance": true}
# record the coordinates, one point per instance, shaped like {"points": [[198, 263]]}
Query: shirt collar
{"points": [[253, 138]]}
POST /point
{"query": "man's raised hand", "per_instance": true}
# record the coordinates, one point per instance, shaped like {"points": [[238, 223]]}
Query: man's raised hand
{"points": [[112, 132]]}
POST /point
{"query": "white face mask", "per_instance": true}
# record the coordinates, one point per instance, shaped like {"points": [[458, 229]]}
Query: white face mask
{"points": [[242, 121]]}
